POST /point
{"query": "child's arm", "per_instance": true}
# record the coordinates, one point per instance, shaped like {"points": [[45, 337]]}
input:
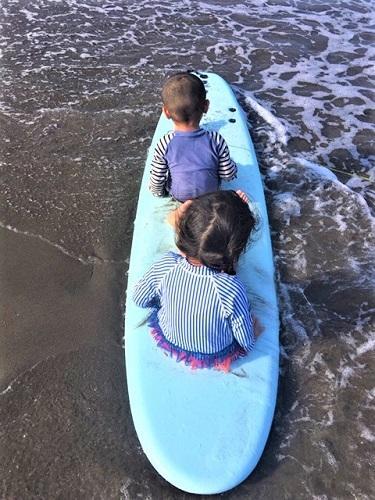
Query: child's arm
{"points": [[244, 327], [159, 167], [145, 291], [227, 168], [243, 330]]}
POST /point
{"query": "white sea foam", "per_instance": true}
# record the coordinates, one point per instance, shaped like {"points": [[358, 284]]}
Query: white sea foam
{"points": [[346, 373], [277, 126], [367, 434], [318, 169], [89, 260], [367, 346], [288, 206], [9, 388], [30, 16]]}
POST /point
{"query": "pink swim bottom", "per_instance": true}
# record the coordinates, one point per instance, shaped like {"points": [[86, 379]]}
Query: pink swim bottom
{"points": [[219, 361]]}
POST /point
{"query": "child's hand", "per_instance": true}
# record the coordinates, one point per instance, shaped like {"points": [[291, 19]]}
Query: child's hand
{"points": [[243, 196], [258, 328]]}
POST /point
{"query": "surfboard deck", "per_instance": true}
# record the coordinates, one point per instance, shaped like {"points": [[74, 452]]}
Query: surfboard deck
{"points": [[204, 430]]}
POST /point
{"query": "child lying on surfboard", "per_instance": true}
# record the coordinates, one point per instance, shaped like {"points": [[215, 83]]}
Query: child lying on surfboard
{"points": [[201, 314], [188, 161]]}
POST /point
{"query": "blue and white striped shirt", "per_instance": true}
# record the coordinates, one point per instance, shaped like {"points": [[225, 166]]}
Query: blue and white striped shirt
{"points": [[199, 309], [189, 164]]}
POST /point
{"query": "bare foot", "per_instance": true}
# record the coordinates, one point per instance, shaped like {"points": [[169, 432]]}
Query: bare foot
{"points": [[257, 327], [171, 218], [174, 216]]}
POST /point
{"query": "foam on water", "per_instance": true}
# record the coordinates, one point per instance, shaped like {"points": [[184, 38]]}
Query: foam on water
{"points": [[279, 129]]}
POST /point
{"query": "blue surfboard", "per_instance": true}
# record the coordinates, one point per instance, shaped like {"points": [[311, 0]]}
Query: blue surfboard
{"points": [[204, 430]]}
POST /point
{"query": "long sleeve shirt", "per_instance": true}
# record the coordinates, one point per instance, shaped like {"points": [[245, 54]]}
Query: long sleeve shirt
{"points": [[188, 164], [199, 309]]}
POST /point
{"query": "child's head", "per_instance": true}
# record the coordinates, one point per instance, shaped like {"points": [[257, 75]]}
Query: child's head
{"points": [[215, 229], [184, 98]]}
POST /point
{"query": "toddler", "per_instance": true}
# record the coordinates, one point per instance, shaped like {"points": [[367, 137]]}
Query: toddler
{"points": [[188, 161], [201, 310]]}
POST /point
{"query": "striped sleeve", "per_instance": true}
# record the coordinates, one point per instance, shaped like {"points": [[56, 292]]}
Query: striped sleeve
{"points": [[227, 167], [147, 290], [159, 166], [237, 309], [242, 324]]}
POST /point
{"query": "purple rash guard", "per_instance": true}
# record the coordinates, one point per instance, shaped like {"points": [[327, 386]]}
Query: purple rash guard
{"points": [[188, 164]]}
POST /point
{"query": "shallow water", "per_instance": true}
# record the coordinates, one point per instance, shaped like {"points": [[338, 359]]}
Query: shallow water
{"points": [[79, 101]]}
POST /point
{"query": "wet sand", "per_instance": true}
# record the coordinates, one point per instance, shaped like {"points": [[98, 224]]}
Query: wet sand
{"points": [[53, 303], [66, 427]]}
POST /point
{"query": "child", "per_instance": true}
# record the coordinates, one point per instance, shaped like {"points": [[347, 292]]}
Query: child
{"points": [[189, 161], [201, 311]]}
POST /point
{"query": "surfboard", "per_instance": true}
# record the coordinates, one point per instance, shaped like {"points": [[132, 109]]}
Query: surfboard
{"points": [[203, 430]]}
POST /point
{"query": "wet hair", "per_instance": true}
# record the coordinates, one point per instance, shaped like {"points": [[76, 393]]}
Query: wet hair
{"points": [[184, 96], [215, 229]]}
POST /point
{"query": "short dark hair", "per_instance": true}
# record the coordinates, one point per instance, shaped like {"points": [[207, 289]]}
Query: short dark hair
{"points": [[184, 96], [215, 229]]}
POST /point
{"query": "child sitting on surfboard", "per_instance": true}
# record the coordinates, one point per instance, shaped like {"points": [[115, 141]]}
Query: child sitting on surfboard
{"points": [[188, 161], [201, 310]]}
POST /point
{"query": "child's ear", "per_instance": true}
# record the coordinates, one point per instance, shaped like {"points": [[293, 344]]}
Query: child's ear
{"points": [[206, 106], [166, 113]]}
